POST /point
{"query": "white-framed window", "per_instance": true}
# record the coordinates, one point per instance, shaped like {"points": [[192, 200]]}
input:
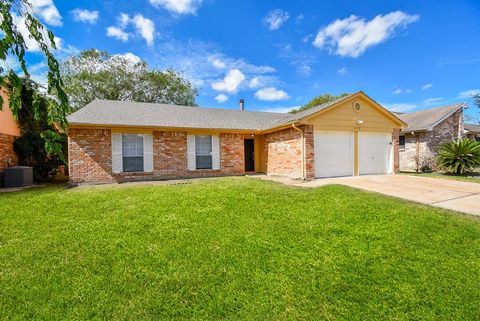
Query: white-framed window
{"points": [[203, 151], [132, 152]]}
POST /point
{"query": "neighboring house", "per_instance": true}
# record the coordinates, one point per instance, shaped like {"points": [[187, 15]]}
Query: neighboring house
{"points": [[472, 131], [426, 130], [113, 141], [9, 130]]}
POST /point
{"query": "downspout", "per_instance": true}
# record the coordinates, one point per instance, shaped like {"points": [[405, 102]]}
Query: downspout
{"points": [[303, 149]]}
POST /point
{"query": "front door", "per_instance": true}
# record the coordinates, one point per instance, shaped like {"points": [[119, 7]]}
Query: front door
{"points": [[249, 155]]}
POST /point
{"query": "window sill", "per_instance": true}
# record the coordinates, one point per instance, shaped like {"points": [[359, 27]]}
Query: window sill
{"points": [[134, 173]]}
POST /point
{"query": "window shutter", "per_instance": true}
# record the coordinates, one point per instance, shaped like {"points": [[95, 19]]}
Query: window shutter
{"points": [[191, 152], [147, 153], [117, 161], [215, 152]]}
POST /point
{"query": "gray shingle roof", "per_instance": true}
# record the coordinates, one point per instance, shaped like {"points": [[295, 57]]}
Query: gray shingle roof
{"points": [[426, 119], [122, 113], [472, 128]]}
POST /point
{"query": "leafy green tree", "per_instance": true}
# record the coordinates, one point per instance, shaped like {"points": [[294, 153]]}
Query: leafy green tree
{"points": [[35, 131], [98, 74], [319, 100], [13, 45], [459, 156]]}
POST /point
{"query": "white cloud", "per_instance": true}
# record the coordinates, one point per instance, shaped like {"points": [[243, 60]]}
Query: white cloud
{"points": [[178, 6], [217, 63], [407, 91], [221, 98], [271, 94], [145, 27], [275, 19], [427, 86], [231, 82], [117, 33], [254, 83], [47, 11], [84, 15], [123, 19], [342, 71], [353, 35], [132, 58], [468, 93], [31, 44], [307, 38], [401, 107], [432, 101], [397, 91], [194, 59]]}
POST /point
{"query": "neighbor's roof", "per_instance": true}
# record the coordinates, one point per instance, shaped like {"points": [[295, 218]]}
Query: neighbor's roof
{"points": [[123, 113], [427, 119], [472, 128]]}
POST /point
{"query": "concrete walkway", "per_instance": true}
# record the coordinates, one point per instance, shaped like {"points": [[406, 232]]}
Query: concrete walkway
{"points": [[454, 195]]}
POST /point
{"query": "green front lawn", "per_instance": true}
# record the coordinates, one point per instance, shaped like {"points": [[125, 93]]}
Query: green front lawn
{"points": [[233, 249], [471, 177]]}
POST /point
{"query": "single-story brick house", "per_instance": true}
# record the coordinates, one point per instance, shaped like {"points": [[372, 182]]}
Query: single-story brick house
{"points": [[114, 141], [9, 131], [472, 131], [426, 130]]}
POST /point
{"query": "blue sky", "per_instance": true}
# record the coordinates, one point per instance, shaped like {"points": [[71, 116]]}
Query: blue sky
{"points": [[407, 55]]}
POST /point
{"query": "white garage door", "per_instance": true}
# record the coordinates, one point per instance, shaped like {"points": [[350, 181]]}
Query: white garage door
{"points": [[374, 153], [333, 153]]}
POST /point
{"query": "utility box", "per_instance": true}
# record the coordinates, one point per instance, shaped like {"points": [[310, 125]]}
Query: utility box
{"points": [[18, 176]]}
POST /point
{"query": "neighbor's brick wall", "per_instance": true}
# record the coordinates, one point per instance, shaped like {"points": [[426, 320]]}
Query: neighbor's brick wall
{"points": [[283, 152], [448, 130], [428, 141], [7, 155], [90, 155]]}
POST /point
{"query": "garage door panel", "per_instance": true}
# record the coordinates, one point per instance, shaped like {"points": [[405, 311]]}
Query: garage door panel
{"points": [[333, 153], [374, 153]]}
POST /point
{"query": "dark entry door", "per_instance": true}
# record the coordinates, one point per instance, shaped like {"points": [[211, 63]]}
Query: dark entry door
{"points": [[249, 155]]}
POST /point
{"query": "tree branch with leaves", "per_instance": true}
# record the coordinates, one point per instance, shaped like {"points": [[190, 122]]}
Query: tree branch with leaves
{"points": [[13, 44], [97, 74]]}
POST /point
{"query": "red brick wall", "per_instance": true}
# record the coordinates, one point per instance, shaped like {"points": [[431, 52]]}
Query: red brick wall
{"points": [[7, 155], [90, 156], [232, 155], [170, 154], [283, 152], [396, 151]]}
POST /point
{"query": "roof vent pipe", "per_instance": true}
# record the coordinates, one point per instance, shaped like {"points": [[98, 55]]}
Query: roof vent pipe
{"points": [[242, 104]]}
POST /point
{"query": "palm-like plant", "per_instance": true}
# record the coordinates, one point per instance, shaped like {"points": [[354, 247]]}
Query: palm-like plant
{"points": [[459, 156]]}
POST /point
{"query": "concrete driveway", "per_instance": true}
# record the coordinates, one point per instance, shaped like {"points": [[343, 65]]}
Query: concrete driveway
{"points": [[455, 195]]}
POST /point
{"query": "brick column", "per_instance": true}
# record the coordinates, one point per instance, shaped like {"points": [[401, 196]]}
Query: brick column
{"points": [[309, 152], [396, 152]]}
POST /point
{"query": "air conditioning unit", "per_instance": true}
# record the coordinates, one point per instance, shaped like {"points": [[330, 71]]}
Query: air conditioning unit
{"points": [[18, 176]]}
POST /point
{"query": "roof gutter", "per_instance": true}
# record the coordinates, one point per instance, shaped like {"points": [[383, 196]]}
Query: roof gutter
{"points": [[302, 137]]}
